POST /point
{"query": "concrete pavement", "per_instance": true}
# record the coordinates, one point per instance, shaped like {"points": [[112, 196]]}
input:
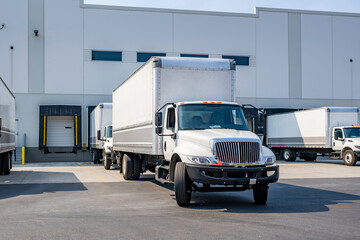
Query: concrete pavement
{"points": [[68, 201]]}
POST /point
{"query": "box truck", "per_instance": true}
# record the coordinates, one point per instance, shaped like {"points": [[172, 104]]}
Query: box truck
{"points": [[177, 117], [332, 131], [7, 128], [101, 134]]}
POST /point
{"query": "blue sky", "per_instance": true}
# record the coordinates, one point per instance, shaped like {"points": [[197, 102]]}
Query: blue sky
{"points": [[244, 6]]}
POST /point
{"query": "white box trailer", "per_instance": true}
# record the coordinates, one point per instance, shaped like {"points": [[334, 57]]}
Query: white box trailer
{"points": [[101, 133], [307, 133], [7, 128], [177, 117]]}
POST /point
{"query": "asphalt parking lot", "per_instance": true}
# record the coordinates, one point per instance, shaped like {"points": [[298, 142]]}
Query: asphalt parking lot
{"points": [[318, 200]]}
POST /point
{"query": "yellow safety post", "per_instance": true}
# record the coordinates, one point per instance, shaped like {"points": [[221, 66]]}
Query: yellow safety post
{"points": [[253, 124], [23, 156], [44, 138], [76, 130]]}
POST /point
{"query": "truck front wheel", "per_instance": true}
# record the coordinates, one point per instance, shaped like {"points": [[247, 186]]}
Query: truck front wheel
{"points": [[289, 155], [107, 161], [182, 185], [349, 158], [127, 167], [260, 192]]}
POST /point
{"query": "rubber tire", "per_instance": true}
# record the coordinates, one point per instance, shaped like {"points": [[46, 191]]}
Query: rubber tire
{"points": [[107, 162], [350, 161], [137, 167], [95, 157], [11, 160], [310, 158], [289, 155], [260, 193], [6, 164], [182, 185], [127, 167], [1, 163]]}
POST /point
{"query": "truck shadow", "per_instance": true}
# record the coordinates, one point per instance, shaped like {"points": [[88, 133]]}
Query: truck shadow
{"points": [[283, 198], [45, 182]]}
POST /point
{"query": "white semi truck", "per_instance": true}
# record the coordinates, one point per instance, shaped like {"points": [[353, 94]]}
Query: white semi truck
{"points": [[101, 134], [332, 131], [7, 128], [177, 117]]}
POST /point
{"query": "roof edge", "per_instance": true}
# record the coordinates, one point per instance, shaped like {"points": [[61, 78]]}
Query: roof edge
{"points": [[203, 12]]}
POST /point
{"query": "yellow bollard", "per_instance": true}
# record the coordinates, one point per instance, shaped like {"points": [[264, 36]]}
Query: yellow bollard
{"points": [[23, 155]]}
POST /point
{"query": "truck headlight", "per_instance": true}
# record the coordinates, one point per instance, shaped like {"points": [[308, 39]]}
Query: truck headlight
{"points": [[202, 160], [270, 161], [358, 147], [268, 157]]}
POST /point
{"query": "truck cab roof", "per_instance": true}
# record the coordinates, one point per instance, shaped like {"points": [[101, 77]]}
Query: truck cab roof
{"points": [[207, 102]]}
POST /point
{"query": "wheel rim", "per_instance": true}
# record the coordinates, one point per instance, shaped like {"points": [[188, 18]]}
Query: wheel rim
{"points": [[286, 155], [348, 158]]}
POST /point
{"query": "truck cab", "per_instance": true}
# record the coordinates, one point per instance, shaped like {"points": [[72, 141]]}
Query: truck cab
{"points": [[209, 143], [346, 143], [108, 144]]}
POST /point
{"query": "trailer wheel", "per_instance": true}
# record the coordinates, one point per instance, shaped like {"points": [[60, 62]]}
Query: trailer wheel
{"points": [[107, 161], [137, 167], [310, 157], [11, 155], [95, 157], [182, 185], [1, 163], [260, 192], [6, 164], [349, 158], [127, 167], [289, 155]]}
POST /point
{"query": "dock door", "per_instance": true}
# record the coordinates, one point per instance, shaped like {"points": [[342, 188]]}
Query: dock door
{"points": [[60, 128]]}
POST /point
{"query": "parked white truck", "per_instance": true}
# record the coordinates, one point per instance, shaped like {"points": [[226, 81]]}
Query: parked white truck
{"points": [[332, 131], [101, 134], [164, 122], [7, 128]]}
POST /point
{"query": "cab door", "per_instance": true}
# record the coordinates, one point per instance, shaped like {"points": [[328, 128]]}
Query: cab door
{"points": [[338, 144], [169, 130]]}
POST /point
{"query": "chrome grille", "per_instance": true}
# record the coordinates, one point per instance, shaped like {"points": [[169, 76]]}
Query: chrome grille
{"points": [[238, 152]]}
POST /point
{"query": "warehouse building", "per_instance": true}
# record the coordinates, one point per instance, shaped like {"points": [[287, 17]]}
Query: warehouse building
{"points": [[62, 57]]}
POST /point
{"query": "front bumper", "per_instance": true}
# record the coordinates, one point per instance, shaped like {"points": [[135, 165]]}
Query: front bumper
{"points": [[357, 153], [233, 175]]}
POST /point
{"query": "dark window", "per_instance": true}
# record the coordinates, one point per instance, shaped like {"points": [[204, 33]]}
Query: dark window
{"points": [[170, 124], [143, 57], [106, 56], [194, 55], [340, 132], [240, 60]]}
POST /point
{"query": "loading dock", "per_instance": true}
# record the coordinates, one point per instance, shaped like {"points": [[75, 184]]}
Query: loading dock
{"points": [[60, 128]]}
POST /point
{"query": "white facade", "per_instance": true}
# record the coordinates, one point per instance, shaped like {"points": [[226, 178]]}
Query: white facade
{"points": [[298, 59]]}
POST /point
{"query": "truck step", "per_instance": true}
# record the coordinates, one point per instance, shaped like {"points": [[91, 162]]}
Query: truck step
{"points": [[162, 173]]}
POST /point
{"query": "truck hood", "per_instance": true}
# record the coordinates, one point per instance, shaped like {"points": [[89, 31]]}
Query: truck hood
{"points": [[203, 137], [354, 141]]}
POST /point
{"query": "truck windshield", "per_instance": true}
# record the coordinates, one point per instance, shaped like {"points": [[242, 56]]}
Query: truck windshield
{"points": [[211, 116], [352, 132], [109, 132]]}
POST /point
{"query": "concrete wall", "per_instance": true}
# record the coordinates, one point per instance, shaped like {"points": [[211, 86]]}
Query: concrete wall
{"points": [[14, 62], [298, 59]]}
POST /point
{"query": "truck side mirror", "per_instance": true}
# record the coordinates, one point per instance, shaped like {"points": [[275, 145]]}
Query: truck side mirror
{"points": [[336, 135], [98, 135], [158, 119], [158, 130]]}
